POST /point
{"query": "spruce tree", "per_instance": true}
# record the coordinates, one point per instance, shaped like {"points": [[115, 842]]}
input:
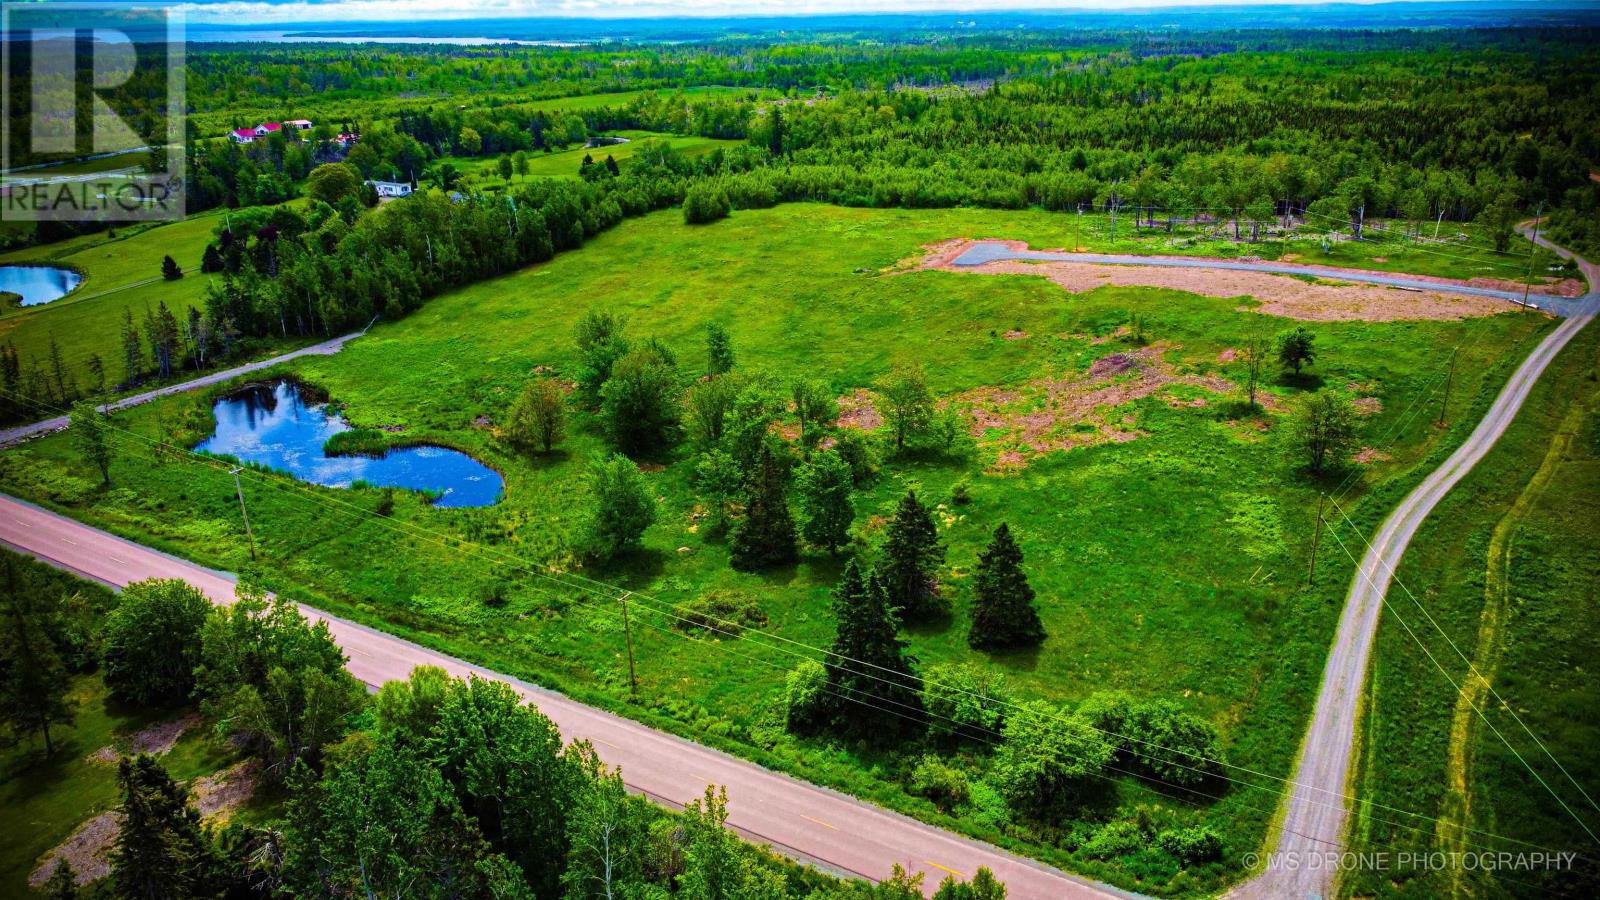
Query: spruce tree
{"points": [[873, 686], [170, 269], [1003, 617], [766, 537], [912, 555], [33, 681], [211, 261], [62, 883], [160, 850]]}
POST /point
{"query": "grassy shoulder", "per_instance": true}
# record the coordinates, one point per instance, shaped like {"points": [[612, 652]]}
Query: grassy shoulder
{"points": [[1505, 569], [1168, 565]]}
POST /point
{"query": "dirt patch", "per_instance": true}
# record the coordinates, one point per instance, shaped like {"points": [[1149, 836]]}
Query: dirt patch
{"points": [[1069, 410], [1563, 287], [154, 740], [650, 468], [1367, 406], [483, 422], [1369, 455], [87, 850], [856, 411], [221, 792], [1015, 335], [1228, 355], [1279, 295]]}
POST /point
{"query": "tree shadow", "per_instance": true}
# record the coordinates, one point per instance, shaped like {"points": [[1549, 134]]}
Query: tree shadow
{"points": [[1025, 659], [557, 456], [1305, 381]]}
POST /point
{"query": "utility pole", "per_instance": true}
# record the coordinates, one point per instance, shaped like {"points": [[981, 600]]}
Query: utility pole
{"points": [[1533, 247], [1077, 233], [239, 489], [1439, 222], [1448, 378], [1361, 220], [633, 680], [1311, 578]]}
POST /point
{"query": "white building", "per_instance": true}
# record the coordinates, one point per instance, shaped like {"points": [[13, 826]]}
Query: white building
{"points": [[391, 188]]}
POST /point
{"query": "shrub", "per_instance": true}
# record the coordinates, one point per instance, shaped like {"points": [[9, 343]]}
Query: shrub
{"points": [[940, 782], [857, 452], [1107, 712], [705, 203], [1116, 839], [1176, 746], [1191, 846], [357, 442], [968, 699], [805, 698], [1047, 759], [721, 612]]}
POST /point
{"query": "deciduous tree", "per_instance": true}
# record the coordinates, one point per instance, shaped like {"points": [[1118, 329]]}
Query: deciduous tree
{"points": [[1297, 348], [152, 641], [824, 486], [905, 403], [1325, 429], [33, 681], [91, 433], [539, 415], [621, 507]]}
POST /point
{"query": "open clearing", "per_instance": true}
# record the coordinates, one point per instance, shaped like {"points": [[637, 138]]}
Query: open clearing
{"points": [[1167, 565]]}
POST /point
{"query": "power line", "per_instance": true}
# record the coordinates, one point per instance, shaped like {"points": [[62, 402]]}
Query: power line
{"points": [[607, 592]]}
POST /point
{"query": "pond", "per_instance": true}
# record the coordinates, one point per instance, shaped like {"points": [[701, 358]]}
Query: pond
{"points": [[274, 426], [38, 284]]}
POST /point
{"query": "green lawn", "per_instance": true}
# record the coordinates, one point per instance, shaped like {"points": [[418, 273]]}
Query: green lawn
{"points": [[1169, 565], [1506, 568]]}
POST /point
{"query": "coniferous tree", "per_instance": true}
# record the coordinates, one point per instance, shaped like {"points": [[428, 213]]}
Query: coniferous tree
{"points": [[912, 554], [1003, 616], [766, 537], [132, 349], [211, 261], [89, 431], [873, 685], [160, 849], [719, 349], [33, 681], [170, 269]]}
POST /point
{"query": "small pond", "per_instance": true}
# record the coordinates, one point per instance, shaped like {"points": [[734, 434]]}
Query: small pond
{"points": [[38, 284], [273, 425]]}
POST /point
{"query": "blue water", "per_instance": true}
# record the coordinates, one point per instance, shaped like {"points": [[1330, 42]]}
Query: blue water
{"points": [[271, 425], [38, 284]]}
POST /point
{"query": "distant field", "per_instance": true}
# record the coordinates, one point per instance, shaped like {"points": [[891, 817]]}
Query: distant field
{"points": [[361, 109], [1169, 565], [566, 163]]}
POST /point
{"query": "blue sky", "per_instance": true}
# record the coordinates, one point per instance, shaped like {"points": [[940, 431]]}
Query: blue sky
{"points": [[273, 11]]}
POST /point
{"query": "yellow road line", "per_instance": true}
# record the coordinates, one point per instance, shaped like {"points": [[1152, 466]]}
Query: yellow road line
{"points": [[945, 869], [819, 822]]}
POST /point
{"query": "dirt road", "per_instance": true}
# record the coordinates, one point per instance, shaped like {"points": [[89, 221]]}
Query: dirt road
{"points": [[1316, 814], [804, 821], [20, 433]]}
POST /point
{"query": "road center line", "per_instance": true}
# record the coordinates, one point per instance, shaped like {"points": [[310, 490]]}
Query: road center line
{"points": [[819, 822], [945, 869]]}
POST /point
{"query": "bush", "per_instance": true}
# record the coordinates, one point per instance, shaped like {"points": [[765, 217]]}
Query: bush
{"points": [[1107, 712], [944, 784], [1047, 759], [705, 203], [1116, 839], [1176, 746], [152, 642], [856, 449], [721, 612], [805, 697], [357, 442], [968, 699], [1191, 846]]}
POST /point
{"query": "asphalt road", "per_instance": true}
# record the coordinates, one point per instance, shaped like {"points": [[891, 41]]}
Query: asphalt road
{"points": [[1316, 813], [9, 436], [809, 823], [988, 251]]}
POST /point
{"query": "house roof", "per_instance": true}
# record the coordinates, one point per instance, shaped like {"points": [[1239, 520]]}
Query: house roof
{"points": [[298, 122], [245, 132], [270, 126]]}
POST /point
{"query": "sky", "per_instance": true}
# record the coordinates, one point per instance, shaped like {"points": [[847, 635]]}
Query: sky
{"points": [[257, 12]]}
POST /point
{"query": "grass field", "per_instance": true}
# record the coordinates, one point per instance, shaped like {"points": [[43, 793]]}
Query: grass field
{"points": [[1506, 568], [566, 163], [1169, 565]]}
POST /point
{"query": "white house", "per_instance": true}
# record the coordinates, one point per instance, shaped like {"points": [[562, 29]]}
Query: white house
{"points": [[242, 135], [266, 128], [391, 188], [298, 124]]}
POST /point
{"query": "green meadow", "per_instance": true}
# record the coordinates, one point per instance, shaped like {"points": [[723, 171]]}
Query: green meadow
{"points": [[1170, 564], [566, 163]]}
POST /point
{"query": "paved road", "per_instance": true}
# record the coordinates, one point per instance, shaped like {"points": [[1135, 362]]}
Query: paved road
{"points": [[989, 251], [21, 433], [1316, 813], [809, 823]]}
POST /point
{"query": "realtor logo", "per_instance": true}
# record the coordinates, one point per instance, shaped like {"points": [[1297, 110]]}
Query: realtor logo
{"points": [[93, 107]]}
